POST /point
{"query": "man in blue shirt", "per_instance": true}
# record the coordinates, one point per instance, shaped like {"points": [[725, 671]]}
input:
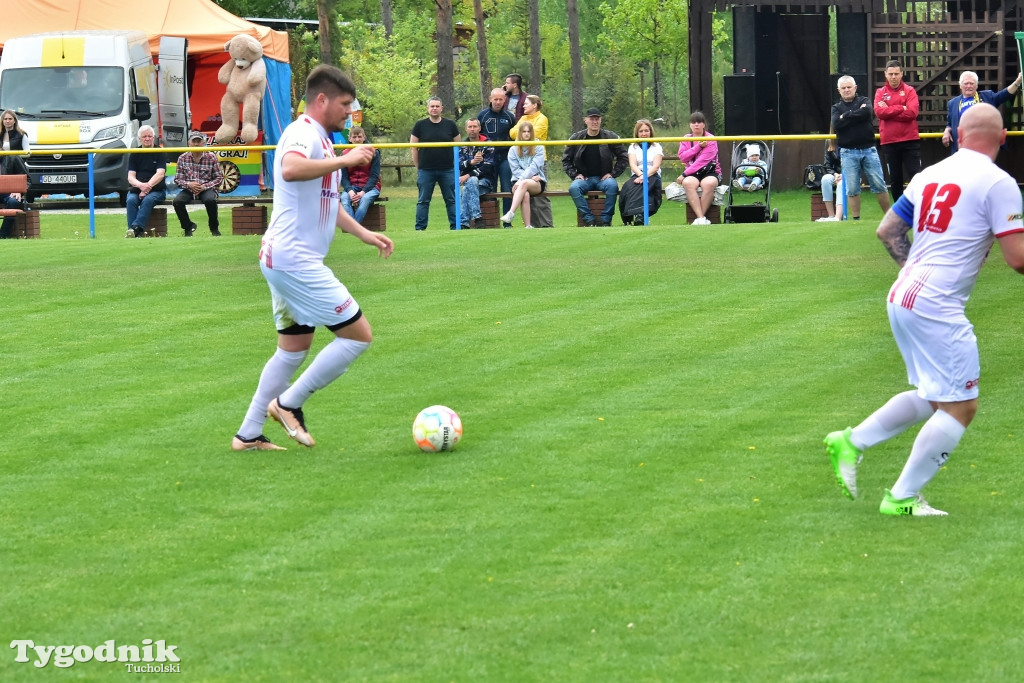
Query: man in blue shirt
{"points": [[969, 96]]}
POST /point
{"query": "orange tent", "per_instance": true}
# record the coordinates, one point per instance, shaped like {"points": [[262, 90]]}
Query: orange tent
{"points": [[207, 28], [205, 24]]}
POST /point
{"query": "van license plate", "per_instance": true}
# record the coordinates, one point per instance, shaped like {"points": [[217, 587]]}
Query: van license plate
{"points": [[53, 179]]}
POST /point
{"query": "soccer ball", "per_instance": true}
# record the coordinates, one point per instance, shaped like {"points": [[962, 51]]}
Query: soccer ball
{"points": [[437, 428]]}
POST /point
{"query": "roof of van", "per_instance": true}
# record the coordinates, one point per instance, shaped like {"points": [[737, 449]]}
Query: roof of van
{"points": [[206, 25]]}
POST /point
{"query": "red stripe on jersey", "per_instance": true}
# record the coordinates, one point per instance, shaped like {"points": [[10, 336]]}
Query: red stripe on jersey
{"points": [[1009, 232], [911, 294]]}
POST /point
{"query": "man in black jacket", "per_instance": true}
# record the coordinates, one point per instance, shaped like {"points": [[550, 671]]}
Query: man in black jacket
{"points": [[855, 135], [594, 167], [476, 175]]}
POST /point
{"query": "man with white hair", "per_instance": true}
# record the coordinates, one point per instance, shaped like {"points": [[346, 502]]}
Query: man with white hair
{"points": [[969, 96], [146, 172], [957, 208], [855, 135]]}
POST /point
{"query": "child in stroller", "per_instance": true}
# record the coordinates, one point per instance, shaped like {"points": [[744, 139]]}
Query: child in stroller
{"points": [[750, 175]]}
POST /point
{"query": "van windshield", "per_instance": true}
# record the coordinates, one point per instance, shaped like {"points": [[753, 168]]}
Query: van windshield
{"points": [[80, 92]]}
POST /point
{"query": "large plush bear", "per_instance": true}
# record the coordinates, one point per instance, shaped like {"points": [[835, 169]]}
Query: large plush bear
{"points": [[245, 76]]}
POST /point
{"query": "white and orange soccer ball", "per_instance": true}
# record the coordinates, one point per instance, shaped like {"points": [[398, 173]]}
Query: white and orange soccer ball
{"points": [[437, 428]]}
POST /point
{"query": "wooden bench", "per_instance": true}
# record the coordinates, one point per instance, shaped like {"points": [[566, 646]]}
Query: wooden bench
{"points": [[714, 214], [156, 226], [376, 217], [398, 166], [26, 223], [250, 218], [491, 213], [818, 209]]}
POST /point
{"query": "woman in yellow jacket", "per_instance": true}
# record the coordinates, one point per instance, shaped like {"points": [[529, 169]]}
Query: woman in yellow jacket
{"points": [[531, 113]]}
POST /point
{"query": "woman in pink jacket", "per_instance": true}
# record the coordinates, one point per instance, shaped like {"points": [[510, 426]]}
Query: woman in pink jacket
{"points": [[702, 169]]}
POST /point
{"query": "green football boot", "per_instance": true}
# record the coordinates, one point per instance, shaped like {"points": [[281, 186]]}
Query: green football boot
{"points": [[845, 458], [915, 506]]}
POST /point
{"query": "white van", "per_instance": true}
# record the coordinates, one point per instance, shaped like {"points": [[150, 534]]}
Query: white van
{"points": [[79, 91]]}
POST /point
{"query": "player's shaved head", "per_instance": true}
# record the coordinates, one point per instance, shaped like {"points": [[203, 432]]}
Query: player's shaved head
{"points": [[981, 129]]}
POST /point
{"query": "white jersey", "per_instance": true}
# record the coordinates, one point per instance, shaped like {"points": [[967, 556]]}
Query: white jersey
{"points": [[955, 209], [305, 214]]}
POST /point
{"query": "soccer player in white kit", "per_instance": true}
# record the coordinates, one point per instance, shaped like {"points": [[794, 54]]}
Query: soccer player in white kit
{"points": [[957, 209], [305, 292]]}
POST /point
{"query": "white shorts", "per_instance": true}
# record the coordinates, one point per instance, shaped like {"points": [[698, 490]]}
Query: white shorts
{"points": [[941, 357], [309, 297]]}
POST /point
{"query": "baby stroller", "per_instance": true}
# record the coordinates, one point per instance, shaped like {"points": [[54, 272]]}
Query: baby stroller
{"points": [[751, 207]]}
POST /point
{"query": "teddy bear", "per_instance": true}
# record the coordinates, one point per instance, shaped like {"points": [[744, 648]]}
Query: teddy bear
{"points": [[245, 76]]}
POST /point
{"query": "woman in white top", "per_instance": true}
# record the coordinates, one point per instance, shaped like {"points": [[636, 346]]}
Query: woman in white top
{"points": [[528, 178], [631, 197]]}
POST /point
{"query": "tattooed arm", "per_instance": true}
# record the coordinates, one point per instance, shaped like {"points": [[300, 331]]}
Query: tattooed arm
{"points": [[893, 233]]}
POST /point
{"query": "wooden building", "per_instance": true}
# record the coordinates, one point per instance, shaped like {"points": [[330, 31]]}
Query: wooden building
{"points": [[784, 77]]}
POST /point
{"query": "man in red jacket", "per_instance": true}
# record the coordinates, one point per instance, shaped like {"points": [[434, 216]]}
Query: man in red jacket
{"points": [[896, 107]]}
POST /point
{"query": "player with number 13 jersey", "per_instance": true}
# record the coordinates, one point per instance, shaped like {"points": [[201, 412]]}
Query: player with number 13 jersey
{"points": [[956, 210]]}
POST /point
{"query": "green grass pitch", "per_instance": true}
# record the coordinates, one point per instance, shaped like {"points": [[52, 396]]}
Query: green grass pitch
{"points": [[641, 493]]}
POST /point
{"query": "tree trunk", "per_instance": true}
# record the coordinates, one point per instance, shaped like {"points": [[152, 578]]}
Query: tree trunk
{"points": [[325, 31], [386, 17], [445, 60], [535, 74], [576, 72], [657, 87], [481, 52]]}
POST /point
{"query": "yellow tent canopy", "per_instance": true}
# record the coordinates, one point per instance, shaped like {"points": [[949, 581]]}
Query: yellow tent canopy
{"points": [[205, 24]]}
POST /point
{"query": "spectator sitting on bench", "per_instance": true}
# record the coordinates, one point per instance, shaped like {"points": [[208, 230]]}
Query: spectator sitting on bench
{"points": [[11, 137], [199, 176], [13, 200], [750, 174], [631, 198], [527, 163], [361, 184], [830, 181], [702, 172], [594, 168], [146, 171], [476, 175]]}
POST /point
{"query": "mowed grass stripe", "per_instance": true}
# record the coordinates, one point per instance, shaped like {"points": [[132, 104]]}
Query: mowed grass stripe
{"points": [[644, 411]]}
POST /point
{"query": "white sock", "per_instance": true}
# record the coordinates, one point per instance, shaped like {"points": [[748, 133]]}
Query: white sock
{"points": [[895, 417], [330, 364], [936, 440], [274, 379]]}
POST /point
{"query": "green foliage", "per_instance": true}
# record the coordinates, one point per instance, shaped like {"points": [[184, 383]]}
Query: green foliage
{"points": [[645, 31], [274, 9], [618, 38], [303, 54], [392, 80]]}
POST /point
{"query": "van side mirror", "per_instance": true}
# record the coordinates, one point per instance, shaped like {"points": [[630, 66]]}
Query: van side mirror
{"points": [[140, 109]]}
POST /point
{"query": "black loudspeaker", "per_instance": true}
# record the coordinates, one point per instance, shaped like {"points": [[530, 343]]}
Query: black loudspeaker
{"points": [[740, 110], [744, 40], [852, 42]]}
